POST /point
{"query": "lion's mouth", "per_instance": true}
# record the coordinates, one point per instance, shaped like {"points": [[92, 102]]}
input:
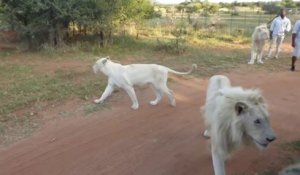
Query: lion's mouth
{"points": [[261, 144]]}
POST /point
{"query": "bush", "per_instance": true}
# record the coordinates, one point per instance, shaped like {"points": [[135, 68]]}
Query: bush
{"points": [[176, 46], [271, 8]]}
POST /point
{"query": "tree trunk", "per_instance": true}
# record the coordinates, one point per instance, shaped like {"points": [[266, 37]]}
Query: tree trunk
{"points": [[59, 34], [51, 37], [101, 38], [110, 39], [73, 29], [85, 30], [29, 42]]}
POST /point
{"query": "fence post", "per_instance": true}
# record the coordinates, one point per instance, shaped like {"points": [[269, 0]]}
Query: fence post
{"points": [[230, 29], [245, 14], [259, 18], [205, 18]]}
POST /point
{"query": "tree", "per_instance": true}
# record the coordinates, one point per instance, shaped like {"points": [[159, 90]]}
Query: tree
{"points": [[271, 8], [288, 3], [42, 21]]}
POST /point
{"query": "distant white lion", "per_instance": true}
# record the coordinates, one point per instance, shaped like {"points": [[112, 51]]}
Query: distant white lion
{"points": [[126, 76], [233, 117], [291, 170], [260, 35]]}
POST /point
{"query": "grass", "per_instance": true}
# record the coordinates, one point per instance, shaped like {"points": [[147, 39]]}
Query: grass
{"points": [[22, 87], [26, 89], [293, 145]]}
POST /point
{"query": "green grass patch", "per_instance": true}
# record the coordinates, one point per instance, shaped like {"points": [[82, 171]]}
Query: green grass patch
{"points": [[294, 145], [25, 87], [92, 108]]}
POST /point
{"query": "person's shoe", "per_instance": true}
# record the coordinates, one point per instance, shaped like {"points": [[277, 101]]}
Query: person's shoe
{"points": [[293, 68]]}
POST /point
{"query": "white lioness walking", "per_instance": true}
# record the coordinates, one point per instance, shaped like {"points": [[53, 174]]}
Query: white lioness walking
{"points": [[260, 35], [126, 76], [233, 117]]}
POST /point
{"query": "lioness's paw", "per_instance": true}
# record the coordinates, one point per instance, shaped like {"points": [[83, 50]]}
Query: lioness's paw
{"points": [[135, 107], [206, 134], [97, 101], [260, 62], [173, 103], [153, 102]]}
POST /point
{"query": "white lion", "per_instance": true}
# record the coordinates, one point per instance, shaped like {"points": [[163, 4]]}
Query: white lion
{"points": [[291, 170], [260, 35], [233, 117], [126, 76]]}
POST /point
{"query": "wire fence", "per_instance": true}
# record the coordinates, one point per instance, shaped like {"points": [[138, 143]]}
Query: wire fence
{"points": [[227, 22]]}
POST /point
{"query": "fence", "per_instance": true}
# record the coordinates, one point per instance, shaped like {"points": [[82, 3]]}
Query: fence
{"points": [[228, 22]]}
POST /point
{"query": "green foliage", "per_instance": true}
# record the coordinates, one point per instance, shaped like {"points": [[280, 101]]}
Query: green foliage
{"points": [[196, 7], [288, 3], [28, 87], [49, 21], [294, 145], [271, 8]]}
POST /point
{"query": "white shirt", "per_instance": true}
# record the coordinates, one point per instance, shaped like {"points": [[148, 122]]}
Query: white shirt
{"points": [[296, 30], [279, 26]]}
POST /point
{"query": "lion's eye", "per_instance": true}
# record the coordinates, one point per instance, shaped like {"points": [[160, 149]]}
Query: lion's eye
{"points": [[257, 121]]}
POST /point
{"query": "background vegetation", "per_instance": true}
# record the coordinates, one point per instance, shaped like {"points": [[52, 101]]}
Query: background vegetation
{"points": [[42, 23]]}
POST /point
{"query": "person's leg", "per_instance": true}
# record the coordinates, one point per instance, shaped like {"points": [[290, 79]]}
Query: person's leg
{"points": [[272, 42], [278, 46], [296, 54], [294, 58]]}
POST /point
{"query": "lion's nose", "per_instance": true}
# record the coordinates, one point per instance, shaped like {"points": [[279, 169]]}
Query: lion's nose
{"points": [[270, 139]]}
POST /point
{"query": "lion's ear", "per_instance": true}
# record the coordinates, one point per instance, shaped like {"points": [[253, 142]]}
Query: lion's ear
{"points": [[259, 29], [261, 99], [220, 93], [240, 107], [104, 61]]}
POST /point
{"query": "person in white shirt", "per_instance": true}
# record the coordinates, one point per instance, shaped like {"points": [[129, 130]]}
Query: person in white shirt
{"points": [[279, 26], [295, 44]]}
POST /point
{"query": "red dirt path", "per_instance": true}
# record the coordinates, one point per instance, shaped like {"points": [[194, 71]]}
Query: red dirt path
{"points": [[159, 140]]}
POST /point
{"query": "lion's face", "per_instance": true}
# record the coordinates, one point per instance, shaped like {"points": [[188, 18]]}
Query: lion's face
{"points": [[255, 120], [100, 65], [264, 32]]}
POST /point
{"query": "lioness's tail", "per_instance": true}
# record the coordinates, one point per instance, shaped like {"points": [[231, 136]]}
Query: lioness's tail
{"points": [[194, 67]]}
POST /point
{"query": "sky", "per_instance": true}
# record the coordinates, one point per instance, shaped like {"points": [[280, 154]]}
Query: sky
{"points": [[179, 1]]}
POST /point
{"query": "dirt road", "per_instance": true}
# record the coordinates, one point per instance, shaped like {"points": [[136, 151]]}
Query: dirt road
{"points": [[159, 140]]}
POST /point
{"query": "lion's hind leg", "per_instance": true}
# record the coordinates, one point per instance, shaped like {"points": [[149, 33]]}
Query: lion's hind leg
{"points": [[163, 88], [158, 94]]}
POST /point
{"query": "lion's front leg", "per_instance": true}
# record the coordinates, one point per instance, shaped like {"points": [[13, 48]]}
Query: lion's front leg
{"points": [[130, 91], [253, 57], [107, 92], [259, 58], [206, 134], [218, 163]]}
